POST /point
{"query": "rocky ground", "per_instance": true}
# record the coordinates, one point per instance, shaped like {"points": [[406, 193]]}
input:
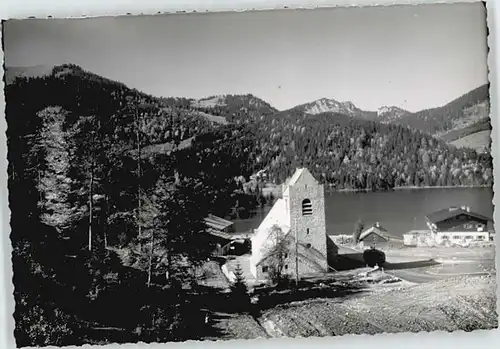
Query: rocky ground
{"points": [[383, 301], [237, 326], [465, 303]]}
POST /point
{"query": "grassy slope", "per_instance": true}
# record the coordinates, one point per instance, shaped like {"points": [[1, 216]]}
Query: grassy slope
{"points": [[483, 125], [477, 141]]}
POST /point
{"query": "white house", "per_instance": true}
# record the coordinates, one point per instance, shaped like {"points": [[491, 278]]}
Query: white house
{"points": [[458, 225]]}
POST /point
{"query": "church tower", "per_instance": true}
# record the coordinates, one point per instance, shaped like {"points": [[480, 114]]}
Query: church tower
{"points": [[305, 204]]}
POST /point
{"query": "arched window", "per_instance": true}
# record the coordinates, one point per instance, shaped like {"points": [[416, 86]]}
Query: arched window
{"points": [[307, 207]]}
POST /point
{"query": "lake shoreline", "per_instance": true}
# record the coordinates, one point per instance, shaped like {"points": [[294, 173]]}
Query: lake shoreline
{"points": [[398, 211], [444, 187], [276, 189]]}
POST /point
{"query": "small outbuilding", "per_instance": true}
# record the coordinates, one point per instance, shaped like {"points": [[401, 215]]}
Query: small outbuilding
{"points": [[376, 236]]}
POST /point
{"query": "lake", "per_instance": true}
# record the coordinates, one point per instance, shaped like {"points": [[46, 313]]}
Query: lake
{"points": [[398, 211]]}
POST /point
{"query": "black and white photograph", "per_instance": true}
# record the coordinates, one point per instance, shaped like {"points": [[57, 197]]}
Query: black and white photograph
{"points": [[258, 174]]}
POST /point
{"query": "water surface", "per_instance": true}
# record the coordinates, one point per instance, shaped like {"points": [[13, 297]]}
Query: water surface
{"points": [[398, 211]]}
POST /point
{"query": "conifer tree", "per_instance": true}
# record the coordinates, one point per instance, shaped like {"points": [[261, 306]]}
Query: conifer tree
{"points": [[239, 290], [55, 184], [239, 285], [86, 153]]}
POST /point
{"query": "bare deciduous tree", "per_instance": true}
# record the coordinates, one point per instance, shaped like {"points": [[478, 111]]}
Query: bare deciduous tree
{"points": [[358, 229], [279, 249]]}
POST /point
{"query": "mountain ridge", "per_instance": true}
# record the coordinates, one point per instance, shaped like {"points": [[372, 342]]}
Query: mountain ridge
{"points": [[21, 70], [460, 117]]}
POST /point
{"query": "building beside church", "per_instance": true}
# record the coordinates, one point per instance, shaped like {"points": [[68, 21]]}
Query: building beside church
{"points": [[459, 225], [452, 226], [375, 236], [298, 220]]}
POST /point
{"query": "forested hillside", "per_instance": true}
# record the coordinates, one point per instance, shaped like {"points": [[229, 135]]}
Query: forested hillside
{"points": [[459, 115], [350, 153], [462, 112], [80, 187], [237, 109]]}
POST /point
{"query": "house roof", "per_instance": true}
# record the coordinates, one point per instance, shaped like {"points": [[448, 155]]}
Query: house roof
{"points": [[451, 212], [219, 234], [379, 230], [217, 222]]}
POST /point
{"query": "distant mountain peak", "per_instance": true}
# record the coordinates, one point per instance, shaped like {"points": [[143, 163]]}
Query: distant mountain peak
{"points": [[330, 105], [226, 100], [390, 109], [391, 113]]}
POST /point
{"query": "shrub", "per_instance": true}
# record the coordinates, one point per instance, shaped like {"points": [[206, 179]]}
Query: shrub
{"points": [[374, 257]]}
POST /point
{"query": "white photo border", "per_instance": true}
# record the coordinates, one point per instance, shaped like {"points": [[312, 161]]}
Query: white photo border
{"points": [[91, 8]]}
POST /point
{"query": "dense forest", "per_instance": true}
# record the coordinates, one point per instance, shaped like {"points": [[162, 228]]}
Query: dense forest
{"points": [[109, 186], [352, 153], [472, 107]]}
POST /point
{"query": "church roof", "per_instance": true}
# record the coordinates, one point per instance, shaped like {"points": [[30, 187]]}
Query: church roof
{"points": [[306, 254], [277, 216]]}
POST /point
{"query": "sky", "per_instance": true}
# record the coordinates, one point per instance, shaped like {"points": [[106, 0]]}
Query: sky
{"points": [[413, 57]]}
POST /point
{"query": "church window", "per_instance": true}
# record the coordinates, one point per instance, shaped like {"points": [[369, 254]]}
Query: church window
{"points": [[307, 231], [306, 207], [264, 269], [308, 245]]}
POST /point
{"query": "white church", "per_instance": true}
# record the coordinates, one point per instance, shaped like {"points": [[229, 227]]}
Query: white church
{"points": [[299, 218]]}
